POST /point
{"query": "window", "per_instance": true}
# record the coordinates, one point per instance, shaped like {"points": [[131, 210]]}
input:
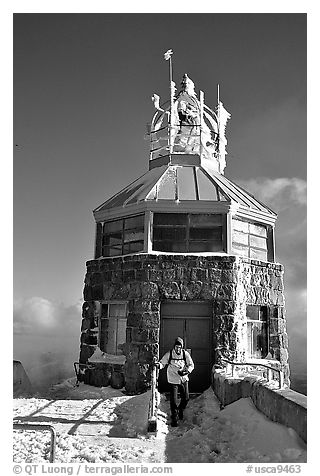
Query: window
{"points": [[123, 236], [188, 232], [257, 331], [250, 239], [113, 325]]}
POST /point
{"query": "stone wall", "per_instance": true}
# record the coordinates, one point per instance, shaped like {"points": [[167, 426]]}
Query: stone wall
{"points": [[146, 280], [284, 405], [261, 283]]}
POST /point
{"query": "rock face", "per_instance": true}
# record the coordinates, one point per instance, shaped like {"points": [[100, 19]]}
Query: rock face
{"points": [[144, 281]]}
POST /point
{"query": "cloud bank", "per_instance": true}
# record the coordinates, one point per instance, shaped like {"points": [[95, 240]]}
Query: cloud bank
{"points": [[46, 340], [280, 193], [38, 315]]}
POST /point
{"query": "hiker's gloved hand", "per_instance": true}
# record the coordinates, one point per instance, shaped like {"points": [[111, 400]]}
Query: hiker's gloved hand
{"points": [[183, 372]]}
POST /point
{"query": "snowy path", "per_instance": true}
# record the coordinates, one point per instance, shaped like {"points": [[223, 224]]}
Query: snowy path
{"points": [[238, 433], [105, 425]]}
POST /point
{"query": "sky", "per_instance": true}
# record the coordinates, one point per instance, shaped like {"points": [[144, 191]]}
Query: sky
{"points": [[82, 87]]}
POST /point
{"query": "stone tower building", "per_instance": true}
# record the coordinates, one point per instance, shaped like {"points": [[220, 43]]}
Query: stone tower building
{"points": [[182, 251]]}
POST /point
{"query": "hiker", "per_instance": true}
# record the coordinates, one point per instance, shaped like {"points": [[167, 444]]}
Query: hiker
{"points": [[179, 366]]}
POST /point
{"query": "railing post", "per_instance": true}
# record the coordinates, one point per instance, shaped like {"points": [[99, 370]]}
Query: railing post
{"points": [[281, 379], [269, 375], [152, 413], [39, 427]]}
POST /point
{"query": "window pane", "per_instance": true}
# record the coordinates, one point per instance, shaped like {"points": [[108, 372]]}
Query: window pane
{"points": [[257, 340], [112, 336], [112, 250], [207, 190], [258, 254], [103, 334], [240, 237], [179, 247], [252, 312], [114, 239], [112, 226], [258, 230], [117, 310], [104, 310], [170, 246], [170, 219], [263, 313], [167, 186], [240, 249], [258, 242], [133, 236], [205, 246], [121, 334], [133, 247], [206, 234], [169, 234], [241, 226], [134, 222], [205, 220], [186, 184]]}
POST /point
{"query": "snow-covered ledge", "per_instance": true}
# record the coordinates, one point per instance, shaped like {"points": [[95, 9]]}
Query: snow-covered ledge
{"points": [[103, 357], [284, 405]]}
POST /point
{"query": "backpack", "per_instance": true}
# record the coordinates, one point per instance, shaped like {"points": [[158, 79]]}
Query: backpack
{"points": [[184, 356]]}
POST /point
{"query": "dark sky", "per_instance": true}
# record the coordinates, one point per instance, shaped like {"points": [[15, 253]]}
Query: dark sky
{"points": [[82, 97]]}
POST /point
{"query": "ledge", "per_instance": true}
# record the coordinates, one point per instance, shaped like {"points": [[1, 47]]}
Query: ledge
{"points": [[283, 406]]}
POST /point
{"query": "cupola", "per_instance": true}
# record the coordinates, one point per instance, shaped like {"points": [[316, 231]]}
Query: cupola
{"points": [[184, 203]]}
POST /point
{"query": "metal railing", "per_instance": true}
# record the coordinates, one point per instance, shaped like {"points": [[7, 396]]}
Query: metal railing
{"points": [[33, 426], [269, 368], [77, 366], [152, 413]]}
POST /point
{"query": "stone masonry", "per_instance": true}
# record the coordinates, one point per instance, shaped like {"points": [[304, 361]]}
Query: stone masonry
{"points": [[146, 280]]}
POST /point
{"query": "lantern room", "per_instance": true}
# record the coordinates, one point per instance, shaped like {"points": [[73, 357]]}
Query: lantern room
{"points": [[184, 203]]}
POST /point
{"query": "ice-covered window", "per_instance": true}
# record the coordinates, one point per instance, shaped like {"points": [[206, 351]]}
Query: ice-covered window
{"points": [[251, 239], [188, 232], [257, 331], [121, 237], [113, 325]]}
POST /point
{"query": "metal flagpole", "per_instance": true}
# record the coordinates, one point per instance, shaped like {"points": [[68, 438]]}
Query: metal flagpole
{"points": [[218, 98], [167, 56]]}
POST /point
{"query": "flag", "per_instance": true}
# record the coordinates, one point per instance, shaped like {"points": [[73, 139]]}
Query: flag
{"points": [[168, 54]]}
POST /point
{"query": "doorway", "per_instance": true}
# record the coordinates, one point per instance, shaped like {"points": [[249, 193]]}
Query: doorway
{"points": [[193, 322]]}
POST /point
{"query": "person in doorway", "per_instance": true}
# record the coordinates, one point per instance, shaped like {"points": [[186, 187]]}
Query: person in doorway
{"points": [[179, 365]]}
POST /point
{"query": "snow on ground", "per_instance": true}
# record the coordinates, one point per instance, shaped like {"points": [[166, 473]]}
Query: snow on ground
{"points": [[238, 433], [106, 425]]}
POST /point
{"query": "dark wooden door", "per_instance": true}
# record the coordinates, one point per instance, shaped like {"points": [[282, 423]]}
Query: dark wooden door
{"points": [[193, 322]]}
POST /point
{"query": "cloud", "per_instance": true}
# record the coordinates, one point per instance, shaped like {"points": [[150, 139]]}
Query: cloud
{"points": [[46, 339], [38, 315], [280, 193], [288, 198]]}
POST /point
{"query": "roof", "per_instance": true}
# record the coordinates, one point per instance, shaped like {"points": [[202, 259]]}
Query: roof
{"points": [[182, 183]]}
